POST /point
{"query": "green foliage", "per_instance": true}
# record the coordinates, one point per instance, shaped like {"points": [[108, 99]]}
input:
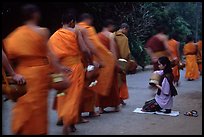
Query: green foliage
{"points": [[181, 17]]}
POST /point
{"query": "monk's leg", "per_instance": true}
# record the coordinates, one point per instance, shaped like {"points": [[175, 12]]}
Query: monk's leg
{"points": [[101, 110], [82, 120], [94, 114]]}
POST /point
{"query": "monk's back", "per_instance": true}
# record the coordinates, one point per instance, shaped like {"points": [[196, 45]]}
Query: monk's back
{"points": [[25, 42], [189, 49], [155, 44], [172, 45], [104, 40], [64, 43]]}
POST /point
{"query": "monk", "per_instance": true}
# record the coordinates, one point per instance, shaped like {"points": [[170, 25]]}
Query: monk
{"points": [[124, 53], [101, 55], [199, 56], [157, 46], [67, 44], [107, 39], [173, 47], [190, 51], [27, 47]]}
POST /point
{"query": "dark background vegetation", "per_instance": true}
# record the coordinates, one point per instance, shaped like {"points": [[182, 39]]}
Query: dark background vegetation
{"points": [[181, 17]]}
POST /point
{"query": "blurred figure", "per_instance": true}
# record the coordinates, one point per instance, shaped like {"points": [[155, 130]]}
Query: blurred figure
{"points": [[27, 47], [190, 51], [107, 39], [173, 47], [123, 53], [67, 44], [199, 55], [101, 55], [157, 45]]}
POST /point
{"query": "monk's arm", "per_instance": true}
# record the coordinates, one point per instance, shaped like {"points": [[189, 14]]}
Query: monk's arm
{"points": [[150, 52], [54, 61], [6, 64], [18, 78], [83, 47], [113, 47], [178, 51], [165, 42], [90, 45]]}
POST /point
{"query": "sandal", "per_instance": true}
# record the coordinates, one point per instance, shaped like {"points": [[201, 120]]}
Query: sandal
{"points": [[192, 113]]}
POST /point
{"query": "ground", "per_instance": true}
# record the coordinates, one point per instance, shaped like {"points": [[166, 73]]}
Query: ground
{"points": [[126, 122]]}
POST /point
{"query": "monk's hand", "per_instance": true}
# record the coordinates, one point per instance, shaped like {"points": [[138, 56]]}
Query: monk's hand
{"points": [[96, 64], [66, 69], [120, 70], [154, 59], [63, 69], [19, 79]]}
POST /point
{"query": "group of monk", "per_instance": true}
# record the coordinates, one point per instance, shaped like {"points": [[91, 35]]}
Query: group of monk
{"points": [[161, 45], [34, 55]]}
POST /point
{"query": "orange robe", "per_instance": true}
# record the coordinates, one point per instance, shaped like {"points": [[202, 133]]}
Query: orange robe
{"points": [[124, 51], [63, 43], [29, 50], [105, 74], [199, 55], [189, 51], [112, 100], [173, 48]]}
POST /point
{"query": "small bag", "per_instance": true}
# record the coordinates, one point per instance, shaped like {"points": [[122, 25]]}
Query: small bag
{"points": [[11, 89], [59, 81]]}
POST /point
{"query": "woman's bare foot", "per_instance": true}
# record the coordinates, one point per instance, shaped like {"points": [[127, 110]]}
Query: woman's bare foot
{"points": [[94, 114]]}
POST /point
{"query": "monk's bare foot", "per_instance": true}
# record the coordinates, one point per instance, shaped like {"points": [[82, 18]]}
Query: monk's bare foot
{"points": [[122, 102], [59, 122], [83, 120], [66, 130], [101, 110], [73, 128], [94, 114], [116, 109]]}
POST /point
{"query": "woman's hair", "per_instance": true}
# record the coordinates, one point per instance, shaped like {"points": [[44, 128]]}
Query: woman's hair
{"points": [[166, 61]]}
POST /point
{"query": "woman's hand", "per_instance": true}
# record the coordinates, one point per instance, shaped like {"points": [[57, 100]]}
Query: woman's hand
{"points": [[159, 87]]}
